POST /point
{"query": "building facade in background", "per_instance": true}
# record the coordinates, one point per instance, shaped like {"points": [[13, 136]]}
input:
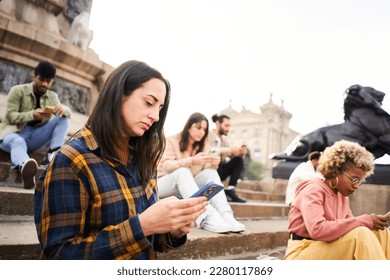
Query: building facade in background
{"points": [[265, 133]]}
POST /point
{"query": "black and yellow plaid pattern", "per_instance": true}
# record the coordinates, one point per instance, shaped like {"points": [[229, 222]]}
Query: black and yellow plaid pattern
{"points": [[86, 206]]}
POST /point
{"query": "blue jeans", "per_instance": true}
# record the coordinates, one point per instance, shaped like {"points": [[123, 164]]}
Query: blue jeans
{"points": [[29, 139]]}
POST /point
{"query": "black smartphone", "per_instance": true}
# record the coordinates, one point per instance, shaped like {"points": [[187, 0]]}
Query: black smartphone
{"points": [[209, 190]]}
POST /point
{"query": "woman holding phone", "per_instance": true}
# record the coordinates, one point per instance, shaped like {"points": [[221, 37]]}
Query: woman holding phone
{"points": [[321, 223], [98, 199], [186, 165]]}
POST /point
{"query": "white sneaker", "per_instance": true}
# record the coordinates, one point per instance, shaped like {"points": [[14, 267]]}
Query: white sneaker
{"points": [[215, 223], [28, 171], [199, 221], [234, 224]]}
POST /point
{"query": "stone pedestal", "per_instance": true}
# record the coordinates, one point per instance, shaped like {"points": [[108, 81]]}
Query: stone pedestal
{"points": [[29, 33]]}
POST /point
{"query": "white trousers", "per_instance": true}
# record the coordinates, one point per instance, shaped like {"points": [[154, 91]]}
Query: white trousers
{"points": [[181, 183]]}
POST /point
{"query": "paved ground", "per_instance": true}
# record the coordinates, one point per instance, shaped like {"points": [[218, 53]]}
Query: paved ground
{"points": [[251, 226]]}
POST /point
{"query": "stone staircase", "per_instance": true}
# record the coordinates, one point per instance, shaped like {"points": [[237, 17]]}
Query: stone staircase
{"points": [[264, 215]]}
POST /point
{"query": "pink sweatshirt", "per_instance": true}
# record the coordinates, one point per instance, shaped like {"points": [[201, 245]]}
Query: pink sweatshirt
{"points": [[320, 214]]}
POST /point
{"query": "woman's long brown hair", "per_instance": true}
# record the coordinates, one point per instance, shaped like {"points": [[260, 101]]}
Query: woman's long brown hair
{"points": [[185, 135], [106, 119]]}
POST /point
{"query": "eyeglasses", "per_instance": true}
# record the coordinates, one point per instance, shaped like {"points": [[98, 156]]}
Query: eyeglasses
{"points": [[355, 180]]}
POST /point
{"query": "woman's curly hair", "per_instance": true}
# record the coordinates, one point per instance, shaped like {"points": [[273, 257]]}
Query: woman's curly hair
{"points": [[342, 155]]}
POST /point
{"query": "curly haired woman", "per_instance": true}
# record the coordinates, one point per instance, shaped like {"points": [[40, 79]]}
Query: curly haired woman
{"points": [[321, 223]]}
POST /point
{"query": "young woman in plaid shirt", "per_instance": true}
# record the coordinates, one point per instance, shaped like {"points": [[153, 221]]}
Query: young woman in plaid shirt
{"points": [[98, 199]]}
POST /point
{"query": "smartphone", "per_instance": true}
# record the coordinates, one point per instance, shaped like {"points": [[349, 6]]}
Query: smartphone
{"points": [[209, 190], [214, 150], [48, 110]]}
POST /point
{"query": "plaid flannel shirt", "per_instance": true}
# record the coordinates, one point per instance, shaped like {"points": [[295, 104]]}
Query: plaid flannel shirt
{"points": [[86, 206]]}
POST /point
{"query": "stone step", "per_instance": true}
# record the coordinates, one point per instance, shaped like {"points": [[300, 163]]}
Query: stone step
{"points": [[16, 201], [19, 201], [263, 215], [9, 177], [18, 240], [260, 195], [271, 185], [253, 209], [260, 235]]}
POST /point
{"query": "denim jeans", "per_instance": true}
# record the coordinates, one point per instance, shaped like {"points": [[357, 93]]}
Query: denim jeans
{"points": [[29, 139]]}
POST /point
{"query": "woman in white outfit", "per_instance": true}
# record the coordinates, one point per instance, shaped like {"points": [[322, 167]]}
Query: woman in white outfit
{"points": [[185, 167]]}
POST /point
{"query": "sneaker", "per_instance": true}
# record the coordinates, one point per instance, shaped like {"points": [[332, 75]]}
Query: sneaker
{"points": [[49, 156], [234, 224], [28, 171], [215, 223], [233, 196]]}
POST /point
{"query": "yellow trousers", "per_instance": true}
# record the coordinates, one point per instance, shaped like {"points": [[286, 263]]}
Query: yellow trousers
{"points": [[360, 243]]}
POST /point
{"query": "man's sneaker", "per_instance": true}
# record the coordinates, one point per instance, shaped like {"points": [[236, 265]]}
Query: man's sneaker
{"points": [[28, 171], [234, 224], [48, 157], [233, 196]]}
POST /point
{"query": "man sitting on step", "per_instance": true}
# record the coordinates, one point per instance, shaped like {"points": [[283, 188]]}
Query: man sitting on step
{"points": [[34, 116], [232, 158]]}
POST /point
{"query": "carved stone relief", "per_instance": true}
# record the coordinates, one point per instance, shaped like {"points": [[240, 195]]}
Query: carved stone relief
{"points": [[74, 96]]}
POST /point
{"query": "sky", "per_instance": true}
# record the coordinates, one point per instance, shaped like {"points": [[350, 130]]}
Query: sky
{"points": [[217, 53]]}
